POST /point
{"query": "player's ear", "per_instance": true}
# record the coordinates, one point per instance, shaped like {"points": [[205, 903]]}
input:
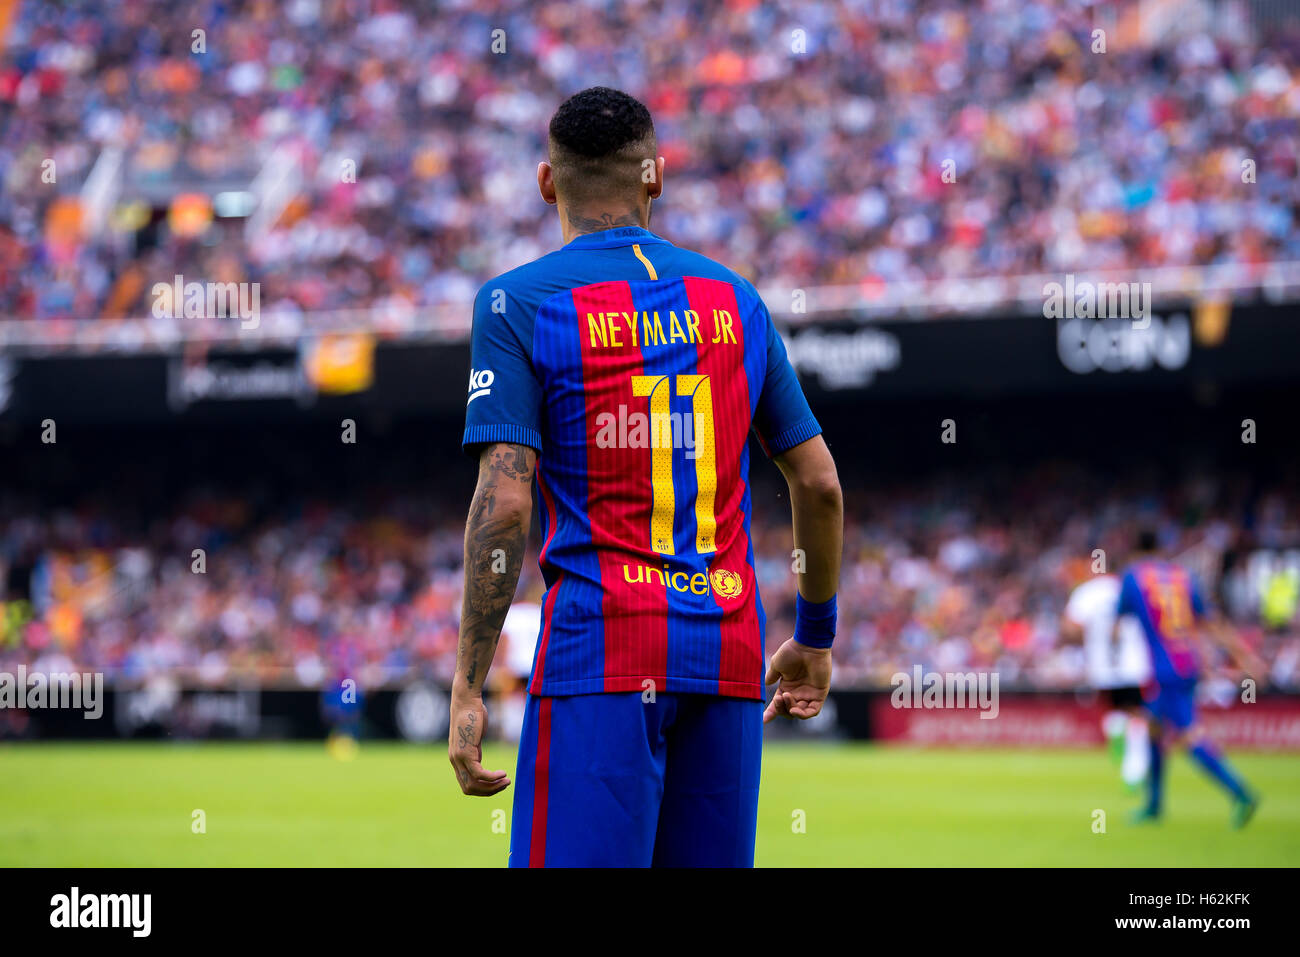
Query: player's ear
{"points": [[545, 183], [655, 189]]}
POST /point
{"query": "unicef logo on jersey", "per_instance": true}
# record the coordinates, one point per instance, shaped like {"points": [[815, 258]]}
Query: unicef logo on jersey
{"points": [[480, 383], [722, 582], [726, 583]]}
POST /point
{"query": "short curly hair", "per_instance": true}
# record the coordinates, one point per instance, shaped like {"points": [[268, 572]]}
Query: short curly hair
{"points": [[599, 140]]}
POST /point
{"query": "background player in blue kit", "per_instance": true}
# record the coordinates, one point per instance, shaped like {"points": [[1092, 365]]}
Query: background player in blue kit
{"points": [[1168, 604]]}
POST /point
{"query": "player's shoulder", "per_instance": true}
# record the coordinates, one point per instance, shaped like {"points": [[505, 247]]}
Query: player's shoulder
{"points": [[1148, 571], [688, 262], [521, 291], [1101, 585], [528, 285], [1092, 594], [1164, 569]]}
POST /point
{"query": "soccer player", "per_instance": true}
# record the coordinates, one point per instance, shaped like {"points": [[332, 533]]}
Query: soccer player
{"points": [[1117, 671], [1167, 603], [621, 376]]}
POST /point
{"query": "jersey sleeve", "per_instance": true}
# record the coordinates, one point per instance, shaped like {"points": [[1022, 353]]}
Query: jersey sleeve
{"points": [[505, 396], [783, 418], [1130, 596]]}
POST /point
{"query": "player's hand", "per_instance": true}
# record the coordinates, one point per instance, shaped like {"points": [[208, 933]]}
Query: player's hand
{"points": [[805, 676], [468, 723]]}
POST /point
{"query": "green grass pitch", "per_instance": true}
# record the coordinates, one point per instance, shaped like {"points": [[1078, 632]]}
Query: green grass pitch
{"points": [[129, 804]]}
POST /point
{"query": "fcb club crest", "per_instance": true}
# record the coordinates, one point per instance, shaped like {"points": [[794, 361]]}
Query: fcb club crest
{"points": [[726, 583]]}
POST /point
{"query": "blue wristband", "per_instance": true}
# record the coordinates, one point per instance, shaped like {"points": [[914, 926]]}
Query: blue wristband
{"points": [[814, 624]]}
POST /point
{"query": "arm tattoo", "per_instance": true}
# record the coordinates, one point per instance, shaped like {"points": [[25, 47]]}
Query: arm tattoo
{"points": [[494, 554], [587, 224], [466, 733]]}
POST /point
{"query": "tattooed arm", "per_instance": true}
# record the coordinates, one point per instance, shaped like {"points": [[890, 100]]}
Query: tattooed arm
{"points": [[495, 536], [817, 507]]}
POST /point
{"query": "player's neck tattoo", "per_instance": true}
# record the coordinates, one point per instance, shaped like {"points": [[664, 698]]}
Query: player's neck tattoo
{"points": [[588, 224]]}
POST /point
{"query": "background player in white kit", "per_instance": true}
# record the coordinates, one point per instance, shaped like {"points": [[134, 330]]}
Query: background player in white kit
{"points": [[1116, 668], [519, 633]]}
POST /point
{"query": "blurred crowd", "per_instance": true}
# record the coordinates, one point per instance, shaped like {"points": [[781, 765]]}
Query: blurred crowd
{"points": [[856, 142], [953, 574]]}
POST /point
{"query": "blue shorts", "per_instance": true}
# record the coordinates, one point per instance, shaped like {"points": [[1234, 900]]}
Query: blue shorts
{"points": [[1173, 704], [607, 780]]}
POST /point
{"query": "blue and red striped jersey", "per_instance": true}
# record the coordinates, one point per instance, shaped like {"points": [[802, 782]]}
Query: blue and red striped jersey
{"points": [[1166, 601], [637, 370]]}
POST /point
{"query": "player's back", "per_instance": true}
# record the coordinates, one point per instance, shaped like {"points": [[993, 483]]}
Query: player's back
{"points": [[637, 369], [1166, 602]]}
